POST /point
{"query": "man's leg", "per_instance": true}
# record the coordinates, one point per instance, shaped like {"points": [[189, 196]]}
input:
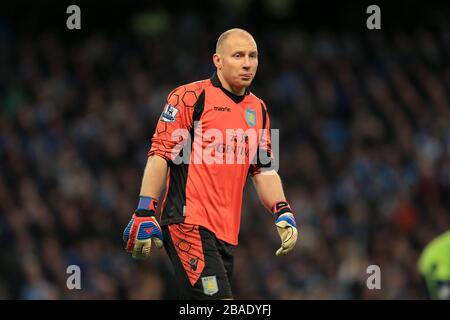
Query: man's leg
{"points": [[226, 250], [182, 281], [198, 265]]}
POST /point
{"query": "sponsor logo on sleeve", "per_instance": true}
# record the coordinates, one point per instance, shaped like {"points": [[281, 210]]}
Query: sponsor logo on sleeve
{"points": [[169, 114]]}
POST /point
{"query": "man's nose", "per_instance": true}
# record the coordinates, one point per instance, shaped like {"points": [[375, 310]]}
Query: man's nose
{"points": [[246, 64]]}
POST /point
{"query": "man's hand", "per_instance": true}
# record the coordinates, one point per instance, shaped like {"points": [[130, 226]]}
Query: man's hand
{"points": [[286, 226], [142, 228]]}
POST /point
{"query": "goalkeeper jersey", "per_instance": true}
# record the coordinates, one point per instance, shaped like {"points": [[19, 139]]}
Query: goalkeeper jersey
{"points": [[212, 140]]}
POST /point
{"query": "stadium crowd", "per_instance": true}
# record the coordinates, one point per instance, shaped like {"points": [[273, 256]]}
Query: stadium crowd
{"points": [[364, 155]]}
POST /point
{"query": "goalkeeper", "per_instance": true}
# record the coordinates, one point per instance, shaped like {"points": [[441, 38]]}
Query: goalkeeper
{"points": [[201, 209], [434, 266]]}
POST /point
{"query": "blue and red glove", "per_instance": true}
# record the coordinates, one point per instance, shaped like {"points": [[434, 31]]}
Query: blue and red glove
{"points": [[286, 226], [142, 228]]}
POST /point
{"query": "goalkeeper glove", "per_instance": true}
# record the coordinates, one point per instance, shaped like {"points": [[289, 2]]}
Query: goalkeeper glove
{"points": [[142, 228], [286, 226]]}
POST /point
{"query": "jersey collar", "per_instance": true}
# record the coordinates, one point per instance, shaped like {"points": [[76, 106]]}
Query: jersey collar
{"points": [[216, 83]]}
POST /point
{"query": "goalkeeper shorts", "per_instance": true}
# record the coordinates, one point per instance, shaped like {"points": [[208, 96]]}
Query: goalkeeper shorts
{"points": [[202, 263]]}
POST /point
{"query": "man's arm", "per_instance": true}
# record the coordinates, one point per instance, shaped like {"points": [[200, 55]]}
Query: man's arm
{"points": [[170, 134], [270, 192], [143, 226], [269, 188], [154, 178]]}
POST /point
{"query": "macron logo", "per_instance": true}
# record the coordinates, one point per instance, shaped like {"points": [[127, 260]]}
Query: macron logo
{"points": [[223, 109]]}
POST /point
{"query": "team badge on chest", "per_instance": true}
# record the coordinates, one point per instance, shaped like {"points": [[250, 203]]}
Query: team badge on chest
{"points": [[250, 116]]}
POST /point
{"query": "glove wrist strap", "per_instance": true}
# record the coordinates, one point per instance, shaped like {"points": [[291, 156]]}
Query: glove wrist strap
{"points": [[146, 206], [280, 207]]}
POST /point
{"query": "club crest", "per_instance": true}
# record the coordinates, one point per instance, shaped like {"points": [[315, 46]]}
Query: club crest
{"points": [[210, 286], [250, 116]]}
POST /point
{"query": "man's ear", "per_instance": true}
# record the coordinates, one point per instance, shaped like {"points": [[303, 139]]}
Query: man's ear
{"points": [[217, 59]]}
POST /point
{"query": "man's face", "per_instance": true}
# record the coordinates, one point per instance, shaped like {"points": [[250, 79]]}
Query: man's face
{"points": [[238, 60]]}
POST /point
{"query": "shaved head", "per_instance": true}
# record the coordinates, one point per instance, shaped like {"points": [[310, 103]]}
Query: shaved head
{"points": [[236, 60], [224, 36]]}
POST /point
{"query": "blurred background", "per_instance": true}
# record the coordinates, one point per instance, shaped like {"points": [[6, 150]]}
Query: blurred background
{"points": [[365, 141]]}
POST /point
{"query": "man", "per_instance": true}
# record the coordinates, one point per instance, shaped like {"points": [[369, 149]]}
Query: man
{"points": [[434, 266], [221, 123]]}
